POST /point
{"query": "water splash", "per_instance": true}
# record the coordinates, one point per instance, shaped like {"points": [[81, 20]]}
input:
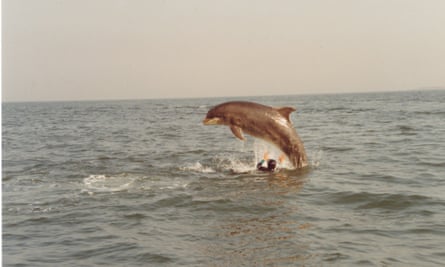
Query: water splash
{"points": [[243, 160], [234, 164], [130, 183], [198, 167], [316, 158], [261, 147], [106, 184]]}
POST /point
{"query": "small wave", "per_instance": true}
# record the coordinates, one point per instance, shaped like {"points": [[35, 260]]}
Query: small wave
{"points": [[366, 200], [153, 258], [433, 112], [135, 216], [406, 130], [432, 164], [337, 109], [395, 201], [337, 149]]}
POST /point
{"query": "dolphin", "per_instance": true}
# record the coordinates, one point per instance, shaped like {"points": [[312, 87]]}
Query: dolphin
{"points": [[260, 121]]}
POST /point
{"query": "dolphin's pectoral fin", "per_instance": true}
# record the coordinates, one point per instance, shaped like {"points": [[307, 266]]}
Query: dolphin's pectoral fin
{"points": [[237, 132], [285, 112]]}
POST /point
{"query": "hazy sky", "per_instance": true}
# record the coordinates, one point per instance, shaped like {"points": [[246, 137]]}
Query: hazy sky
{"points": [[119, 49]]}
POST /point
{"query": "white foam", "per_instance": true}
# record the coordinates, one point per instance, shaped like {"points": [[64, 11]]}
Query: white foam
{"points": [[127, 183], [198, 167], [164, 183], [175, 185], [103, 183], [235, 165]]}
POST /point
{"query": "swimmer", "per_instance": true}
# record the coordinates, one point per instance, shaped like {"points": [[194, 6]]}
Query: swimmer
{"points": [[271, 163]]}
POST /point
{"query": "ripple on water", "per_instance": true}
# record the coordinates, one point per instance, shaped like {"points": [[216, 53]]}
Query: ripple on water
{"points": [[385, 201]]}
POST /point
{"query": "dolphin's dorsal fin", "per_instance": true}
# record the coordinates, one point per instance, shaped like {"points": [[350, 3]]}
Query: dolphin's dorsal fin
{"points": [[237, 132], [285, 112]]}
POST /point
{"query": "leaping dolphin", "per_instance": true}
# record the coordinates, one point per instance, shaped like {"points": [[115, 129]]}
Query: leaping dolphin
{"points": [[264, 122]]}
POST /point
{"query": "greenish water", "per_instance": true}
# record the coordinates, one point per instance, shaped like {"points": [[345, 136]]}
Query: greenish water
{"points": [[144, 183]]}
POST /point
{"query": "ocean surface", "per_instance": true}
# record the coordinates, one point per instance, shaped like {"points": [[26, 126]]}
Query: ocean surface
{"points": [[144, 183]]}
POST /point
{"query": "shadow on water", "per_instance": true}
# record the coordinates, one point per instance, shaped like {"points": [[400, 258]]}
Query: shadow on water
{"points": [[263, 226]]}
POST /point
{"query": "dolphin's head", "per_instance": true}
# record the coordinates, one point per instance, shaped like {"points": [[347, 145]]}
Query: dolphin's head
{"points": [[234, 113], [216, 116], [225, 114]]}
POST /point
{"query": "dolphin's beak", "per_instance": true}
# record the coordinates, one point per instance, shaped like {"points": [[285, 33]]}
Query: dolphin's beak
{"points": [[211, 121]]}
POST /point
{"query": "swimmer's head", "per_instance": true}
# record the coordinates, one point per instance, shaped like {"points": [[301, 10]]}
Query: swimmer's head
{"points": [[271, 164]]}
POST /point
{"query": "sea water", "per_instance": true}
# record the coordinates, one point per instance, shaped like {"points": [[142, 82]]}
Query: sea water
{"points": [[144, 183]]}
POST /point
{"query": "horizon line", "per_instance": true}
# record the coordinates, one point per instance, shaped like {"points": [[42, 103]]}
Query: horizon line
{"points": [[433, 88]]}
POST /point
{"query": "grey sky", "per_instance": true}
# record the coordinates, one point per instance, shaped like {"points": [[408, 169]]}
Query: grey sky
{"points": [[119, 49]]}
